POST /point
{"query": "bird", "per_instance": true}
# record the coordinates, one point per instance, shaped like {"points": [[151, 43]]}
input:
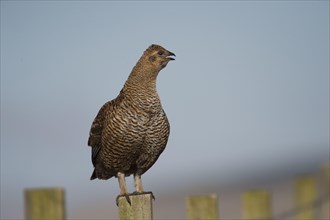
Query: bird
{"points": [[130, 132]]}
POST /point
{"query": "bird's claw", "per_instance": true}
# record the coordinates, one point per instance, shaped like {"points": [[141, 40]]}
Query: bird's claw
{"points": [[126, 195], [141, 193], [123, 195]]}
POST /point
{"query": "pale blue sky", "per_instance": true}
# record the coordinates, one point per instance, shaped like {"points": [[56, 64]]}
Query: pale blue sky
{"points": [[247, 95]]}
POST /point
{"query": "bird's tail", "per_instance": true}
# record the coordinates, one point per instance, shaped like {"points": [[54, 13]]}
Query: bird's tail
{"points": [[93, 175]]}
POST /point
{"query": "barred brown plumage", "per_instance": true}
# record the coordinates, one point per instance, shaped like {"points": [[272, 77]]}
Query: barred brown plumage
{"points": [[130, 132]]}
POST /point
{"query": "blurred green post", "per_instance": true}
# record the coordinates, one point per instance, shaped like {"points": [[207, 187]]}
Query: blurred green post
{"points": [[202, 207], [44, 204], [256, 205], [304, 197], [326, 191]]}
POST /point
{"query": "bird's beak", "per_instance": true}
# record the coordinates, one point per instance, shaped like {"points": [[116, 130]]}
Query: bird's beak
{"points": [[169, 56]]}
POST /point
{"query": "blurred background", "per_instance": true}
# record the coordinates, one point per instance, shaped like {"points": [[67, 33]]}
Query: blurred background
{"points": [[247, 97]]}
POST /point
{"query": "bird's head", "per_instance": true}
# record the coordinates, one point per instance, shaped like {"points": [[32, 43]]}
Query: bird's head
{"points": [[158, 56], [152, 61]]}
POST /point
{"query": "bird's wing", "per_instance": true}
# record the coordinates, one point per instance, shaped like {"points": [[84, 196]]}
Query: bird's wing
{"points": [[95, 133]]}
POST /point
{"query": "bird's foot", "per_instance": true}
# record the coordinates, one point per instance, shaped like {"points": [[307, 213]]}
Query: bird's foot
{"points": [[126, 195], [135, 193]]}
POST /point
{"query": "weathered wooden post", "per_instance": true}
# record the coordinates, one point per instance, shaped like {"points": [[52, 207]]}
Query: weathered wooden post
{"points": [[304, 197], [256, 205], [202, 207], [44, 204], [140, 208], [326, 191]]}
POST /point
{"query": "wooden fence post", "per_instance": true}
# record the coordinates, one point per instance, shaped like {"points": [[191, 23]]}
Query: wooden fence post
{"points": [[256, 205], [305, 196], [202, 207], [44, 204], [140, 208], [326, 191]]}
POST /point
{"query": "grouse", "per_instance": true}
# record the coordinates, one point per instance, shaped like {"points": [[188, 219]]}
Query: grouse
{"points": [[131, 131]]}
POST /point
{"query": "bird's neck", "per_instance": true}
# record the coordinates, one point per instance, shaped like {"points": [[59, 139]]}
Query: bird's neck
{"points": [[145, 99], [140, 88], [142, 78]]}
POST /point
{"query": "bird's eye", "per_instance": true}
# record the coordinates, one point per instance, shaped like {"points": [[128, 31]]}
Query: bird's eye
{"points": [[160, 53]]}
